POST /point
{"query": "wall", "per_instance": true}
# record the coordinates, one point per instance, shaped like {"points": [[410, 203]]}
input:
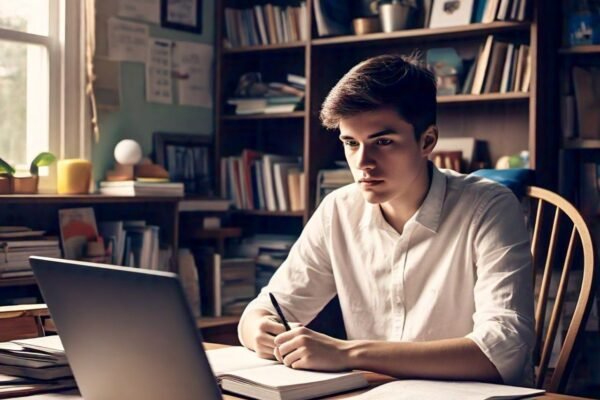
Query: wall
{"points": [[136, 119]]}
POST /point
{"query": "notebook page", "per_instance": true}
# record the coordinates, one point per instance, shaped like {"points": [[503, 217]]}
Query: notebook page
{"points": [[49, 344], [445, 390], [280, 376], [235, 358]]}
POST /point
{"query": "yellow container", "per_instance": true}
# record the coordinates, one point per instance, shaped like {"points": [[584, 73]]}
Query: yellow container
{"points": [[73, 176]]}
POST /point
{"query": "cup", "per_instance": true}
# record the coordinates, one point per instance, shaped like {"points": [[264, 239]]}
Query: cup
{"points": [[74, 176], [394, 16], [364, 25]]}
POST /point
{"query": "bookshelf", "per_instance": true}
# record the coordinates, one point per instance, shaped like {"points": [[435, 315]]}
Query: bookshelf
{"points": [[40, 211], [508, 122]]}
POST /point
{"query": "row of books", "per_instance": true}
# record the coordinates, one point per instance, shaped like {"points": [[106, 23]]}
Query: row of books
{"points": [[134, 244], [18, 243], [265, 24], [257, 181], [279, 97], [500, 67]]}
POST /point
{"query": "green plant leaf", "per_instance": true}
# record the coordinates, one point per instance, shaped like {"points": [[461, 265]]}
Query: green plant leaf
{"points": [[41, 160], [5, 168]]}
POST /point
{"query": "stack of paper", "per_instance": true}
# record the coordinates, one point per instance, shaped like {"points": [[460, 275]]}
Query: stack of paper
{"points": [[39, 358]]}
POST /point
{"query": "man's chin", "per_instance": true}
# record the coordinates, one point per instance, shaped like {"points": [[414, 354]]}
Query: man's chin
{"points": [[372, 197]]}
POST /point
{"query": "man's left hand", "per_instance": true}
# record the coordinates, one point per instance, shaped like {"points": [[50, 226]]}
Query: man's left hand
{"points": [[303, 348]]}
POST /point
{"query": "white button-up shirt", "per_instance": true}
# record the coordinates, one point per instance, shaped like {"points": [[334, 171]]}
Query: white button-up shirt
{"points": [[460, 268]]}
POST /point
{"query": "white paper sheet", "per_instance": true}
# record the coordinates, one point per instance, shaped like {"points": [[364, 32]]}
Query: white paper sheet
{"points": [[127, 41], [158, 72], [145, 10], [192, 64], [182, 12], [444, 390], [234, 358]]}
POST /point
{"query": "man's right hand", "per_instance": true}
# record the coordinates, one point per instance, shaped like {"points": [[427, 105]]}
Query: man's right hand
{"points": [[259, 332]]}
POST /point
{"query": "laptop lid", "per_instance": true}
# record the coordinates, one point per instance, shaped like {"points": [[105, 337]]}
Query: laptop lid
{"points": [[128, 333]]}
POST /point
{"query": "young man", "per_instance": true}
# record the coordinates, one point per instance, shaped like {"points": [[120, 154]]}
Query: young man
{"points": [[432, 268]]}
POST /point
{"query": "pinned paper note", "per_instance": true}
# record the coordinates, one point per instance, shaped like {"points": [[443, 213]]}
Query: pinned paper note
{"points": [[145, 10], [158, 72], [192, 67], [127, 41]]}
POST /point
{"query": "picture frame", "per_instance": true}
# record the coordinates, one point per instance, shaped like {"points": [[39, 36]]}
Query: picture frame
{"points": [[182, 15], [189, 158]]}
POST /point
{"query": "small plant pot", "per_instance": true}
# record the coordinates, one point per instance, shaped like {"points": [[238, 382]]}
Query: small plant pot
{"points": [[6, 184], [25, 185]]}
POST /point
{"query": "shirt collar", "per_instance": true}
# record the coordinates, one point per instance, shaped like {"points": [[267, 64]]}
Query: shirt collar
{"points": [[428, 215], [430, 211]]}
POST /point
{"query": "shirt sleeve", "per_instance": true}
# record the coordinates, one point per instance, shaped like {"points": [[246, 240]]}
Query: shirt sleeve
{"points": [[503, 318], [304, 283]]}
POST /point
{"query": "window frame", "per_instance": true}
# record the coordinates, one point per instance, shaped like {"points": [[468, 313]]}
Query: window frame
{"points": [[68, 110]]}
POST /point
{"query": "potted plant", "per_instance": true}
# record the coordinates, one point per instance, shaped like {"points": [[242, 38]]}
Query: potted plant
{"points": [[12, 182]]}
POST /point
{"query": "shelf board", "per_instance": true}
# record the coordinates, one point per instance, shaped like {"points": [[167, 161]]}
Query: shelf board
{"points": [[427, 33], [270, 47], [83, 199], [291, 115], [486, 97], [581, 144], [215, 234], [21, 281], [265, 213], [587, 49], [212, 322]]}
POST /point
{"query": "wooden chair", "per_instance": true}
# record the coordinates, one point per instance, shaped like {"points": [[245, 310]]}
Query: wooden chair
{"points": [[22, 321], [562, 212]]}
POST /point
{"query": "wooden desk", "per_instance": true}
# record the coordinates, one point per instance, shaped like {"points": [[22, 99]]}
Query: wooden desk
{"points": [[374, 380]]}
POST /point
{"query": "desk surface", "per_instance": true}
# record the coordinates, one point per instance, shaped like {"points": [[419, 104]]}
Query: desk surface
{"points": [[374, 380]]}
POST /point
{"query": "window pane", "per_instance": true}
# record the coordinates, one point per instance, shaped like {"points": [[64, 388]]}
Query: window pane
{"points": [[23, 101], [29, 16]]}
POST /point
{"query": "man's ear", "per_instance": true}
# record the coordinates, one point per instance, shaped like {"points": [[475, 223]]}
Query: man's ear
{"points": [[428, 140]]}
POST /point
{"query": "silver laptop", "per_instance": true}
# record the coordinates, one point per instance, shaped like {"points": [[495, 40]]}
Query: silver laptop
{"points": [[128, 333]]}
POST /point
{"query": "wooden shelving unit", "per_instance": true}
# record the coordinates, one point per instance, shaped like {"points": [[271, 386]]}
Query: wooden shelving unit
{"points": [[40, 211], [508, 122], [295, 114], [436, 34], [587, 49], [582, 144]]}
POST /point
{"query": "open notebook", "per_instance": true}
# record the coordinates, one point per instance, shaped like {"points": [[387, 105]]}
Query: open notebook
{"points": [[445, 390], [240, 371]]}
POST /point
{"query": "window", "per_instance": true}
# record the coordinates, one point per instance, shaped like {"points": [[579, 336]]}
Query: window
{"points": [[40, 109]]}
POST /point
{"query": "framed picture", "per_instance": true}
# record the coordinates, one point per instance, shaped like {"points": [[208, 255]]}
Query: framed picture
{"points": [[189, 158], [183, 15]]}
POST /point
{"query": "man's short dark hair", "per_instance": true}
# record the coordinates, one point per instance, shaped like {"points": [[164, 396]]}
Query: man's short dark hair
{"points": [[395, 81]]}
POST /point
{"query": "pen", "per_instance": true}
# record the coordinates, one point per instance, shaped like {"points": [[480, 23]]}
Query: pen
{"points": [[279, 312]]}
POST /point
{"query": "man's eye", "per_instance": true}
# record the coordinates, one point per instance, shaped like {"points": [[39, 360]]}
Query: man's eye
{"points": [[383, 142], [350, 143]]}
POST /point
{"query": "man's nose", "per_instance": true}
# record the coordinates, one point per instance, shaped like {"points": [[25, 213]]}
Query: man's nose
{"points": [[364, 160]]}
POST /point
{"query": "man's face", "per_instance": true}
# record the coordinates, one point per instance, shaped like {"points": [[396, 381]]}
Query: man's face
{"points": [[382, 153]]}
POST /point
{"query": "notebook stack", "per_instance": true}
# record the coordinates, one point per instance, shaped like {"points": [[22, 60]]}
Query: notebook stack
{"points": [[34, 365], [17, 244]]}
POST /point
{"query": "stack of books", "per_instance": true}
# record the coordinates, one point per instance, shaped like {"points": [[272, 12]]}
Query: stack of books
{"points": [[500, 67], [141, 188], [269, 251], [29, 366], [279, 98], [265, 24], [18, 243], [257, 181], [330, 179]]}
